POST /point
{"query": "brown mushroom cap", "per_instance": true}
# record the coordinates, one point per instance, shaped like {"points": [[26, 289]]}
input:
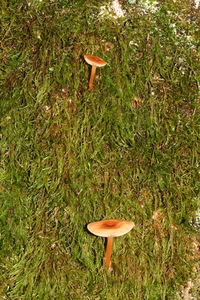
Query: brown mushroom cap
{"points": [[110, 228], [94, 60]]}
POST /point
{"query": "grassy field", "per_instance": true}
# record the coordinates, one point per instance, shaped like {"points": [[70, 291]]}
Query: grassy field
{"points": [[128, 149]]}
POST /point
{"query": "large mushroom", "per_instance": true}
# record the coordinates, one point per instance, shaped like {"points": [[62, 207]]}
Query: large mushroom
{"points": [[95, 62], [110, 228]]}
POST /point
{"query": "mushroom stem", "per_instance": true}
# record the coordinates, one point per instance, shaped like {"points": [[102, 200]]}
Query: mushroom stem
{"points": [[93, 72], [108, 252]]}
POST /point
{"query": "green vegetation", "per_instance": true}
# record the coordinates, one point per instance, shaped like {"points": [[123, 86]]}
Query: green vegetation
{"points": [[128, 149]]}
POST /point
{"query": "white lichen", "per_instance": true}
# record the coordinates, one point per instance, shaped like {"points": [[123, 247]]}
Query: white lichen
{"points": [[112, 10], [146, 5], [197, 3], [150, 6], [117, 9], [195, 221]]}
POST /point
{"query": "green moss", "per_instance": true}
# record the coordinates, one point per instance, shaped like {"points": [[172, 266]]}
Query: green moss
{"points": [[128, 149]]}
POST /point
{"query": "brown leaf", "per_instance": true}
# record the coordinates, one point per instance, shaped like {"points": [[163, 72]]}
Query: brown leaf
{"points": [[136, 102]]}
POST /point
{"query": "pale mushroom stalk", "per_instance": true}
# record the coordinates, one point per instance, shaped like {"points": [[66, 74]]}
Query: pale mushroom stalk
{"points": [[92, 75], [108, 252]]}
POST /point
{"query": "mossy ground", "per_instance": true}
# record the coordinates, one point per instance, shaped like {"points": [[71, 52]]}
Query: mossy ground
{"points": [[128, 149]]}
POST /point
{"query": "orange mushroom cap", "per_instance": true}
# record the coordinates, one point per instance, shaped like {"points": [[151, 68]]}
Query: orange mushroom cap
{"points": [[94, 60], [110, 227]]}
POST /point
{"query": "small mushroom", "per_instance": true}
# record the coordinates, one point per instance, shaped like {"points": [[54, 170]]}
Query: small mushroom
{"points": [[95, 62], [109, 229]]}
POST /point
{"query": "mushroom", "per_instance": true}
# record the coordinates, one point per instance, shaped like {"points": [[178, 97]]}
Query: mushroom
{"points": [[110, 228], [95, 62]]}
